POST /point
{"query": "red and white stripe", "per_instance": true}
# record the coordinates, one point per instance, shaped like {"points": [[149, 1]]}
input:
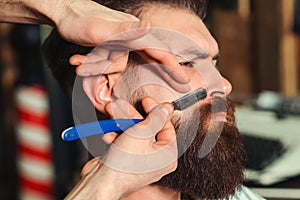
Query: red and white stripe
{"points": [[36, 170]]}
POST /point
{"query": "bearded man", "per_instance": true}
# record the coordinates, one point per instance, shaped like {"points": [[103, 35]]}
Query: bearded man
{"points": [[210, 160]]}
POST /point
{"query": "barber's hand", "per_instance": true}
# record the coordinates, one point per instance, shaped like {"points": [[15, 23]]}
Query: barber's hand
{"points": [[143, 154], [88, 23]]}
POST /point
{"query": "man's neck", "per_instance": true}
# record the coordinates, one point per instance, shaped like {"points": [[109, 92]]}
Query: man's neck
{"points": [[154, 193]]}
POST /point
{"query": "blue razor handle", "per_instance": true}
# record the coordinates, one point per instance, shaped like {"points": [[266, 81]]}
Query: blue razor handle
{"points": [[98, 127], [114, 125]]}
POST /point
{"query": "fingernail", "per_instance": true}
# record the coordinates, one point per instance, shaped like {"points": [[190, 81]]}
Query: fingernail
{"points": [[76, 63], [164, 110], [83, 72], [187, 87]]}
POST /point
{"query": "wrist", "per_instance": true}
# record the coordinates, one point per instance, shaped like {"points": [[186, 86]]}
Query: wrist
{"points": [[114, 187], [99, 183], [47, 11], [23, 11]]}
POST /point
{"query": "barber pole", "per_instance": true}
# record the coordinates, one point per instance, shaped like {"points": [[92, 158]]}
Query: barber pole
{"points": [[35, 167]]}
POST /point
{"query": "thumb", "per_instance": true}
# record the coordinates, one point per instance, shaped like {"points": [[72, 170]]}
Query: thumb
{"points": [[90, 166], [153, 123]]}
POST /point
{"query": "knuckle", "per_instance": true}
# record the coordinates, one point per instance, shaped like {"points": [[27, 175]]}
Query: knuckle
{"points": [[122, 27], [93, 35]]}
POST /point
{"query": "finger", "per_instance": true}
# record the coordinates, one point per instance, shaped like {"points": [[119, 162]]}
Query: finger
{"points": [[120, 59], [119, 109], [158, 116], [92, 69], [77, 59], [97, 54], [149, 104], [90, 166], [109, 138], [122, 109], [101, 67], [167, 134], [171, 65], [154, 122], [162, 72], [107, 66], [160, 52]]}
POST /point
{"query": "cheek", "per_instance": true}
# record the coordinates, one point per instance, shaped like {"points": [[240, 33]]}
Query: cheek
{"points": [[160, 93], [197, 80]]}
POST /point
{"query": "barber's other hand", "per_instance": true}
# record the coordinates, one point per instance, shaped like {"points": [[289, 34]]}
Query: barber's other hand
{"points": [[88, 23], [111, 58]]}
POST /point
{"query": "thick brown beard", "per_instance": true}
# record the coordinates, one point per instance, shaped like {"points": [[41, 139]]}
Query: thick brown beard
{"points": [[220, 173]]}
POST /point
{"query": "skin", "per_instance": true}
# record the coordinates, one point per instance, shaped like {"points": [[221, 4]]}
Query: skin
{"points": [[193, 28], [95, 174], [87, 23], [90, 17], [102, 182]]}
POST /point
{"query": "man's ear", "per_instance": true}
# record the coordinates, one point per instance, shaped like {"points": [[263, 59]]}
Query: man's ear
{"points": [[99, 89]]}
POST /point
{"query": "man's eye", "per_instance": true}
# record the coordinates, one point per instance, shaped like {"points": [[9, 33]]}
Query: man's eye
{"points": [[187, 64]]}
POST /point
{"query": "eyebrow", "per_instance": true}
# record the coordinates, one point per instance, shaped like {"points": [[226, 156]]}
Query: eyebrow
{"points": [[217, 56], [192, 54]]}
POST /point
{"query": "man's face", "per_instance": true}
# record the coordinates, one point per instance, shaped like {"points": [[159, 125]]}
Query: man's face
{"points": [[220, 172], [197, 46]]}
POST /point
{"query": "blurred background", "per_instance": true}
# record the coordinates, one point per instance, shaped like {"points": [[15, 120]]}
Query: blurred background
{"points": [[259, 46]]}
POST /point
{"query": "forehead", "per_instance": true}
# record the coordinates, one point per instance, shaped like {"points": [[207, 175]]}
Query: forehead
{"points": [[166, 16], [198, 41]]}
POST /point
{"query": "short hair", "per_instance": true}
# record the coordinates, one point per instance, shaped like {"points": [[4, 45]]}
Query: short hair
{"points": [[57, 51], [134, 6]]}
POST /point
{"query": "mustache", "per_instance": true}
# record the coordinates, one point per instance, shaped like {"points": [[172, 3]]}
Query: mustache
{"points": [[219, 104], [205, 112]]}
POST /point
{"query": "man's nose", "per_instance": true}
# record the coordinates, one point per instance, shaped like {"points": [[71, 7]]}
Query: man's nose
{"points": [[227, 86]]}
